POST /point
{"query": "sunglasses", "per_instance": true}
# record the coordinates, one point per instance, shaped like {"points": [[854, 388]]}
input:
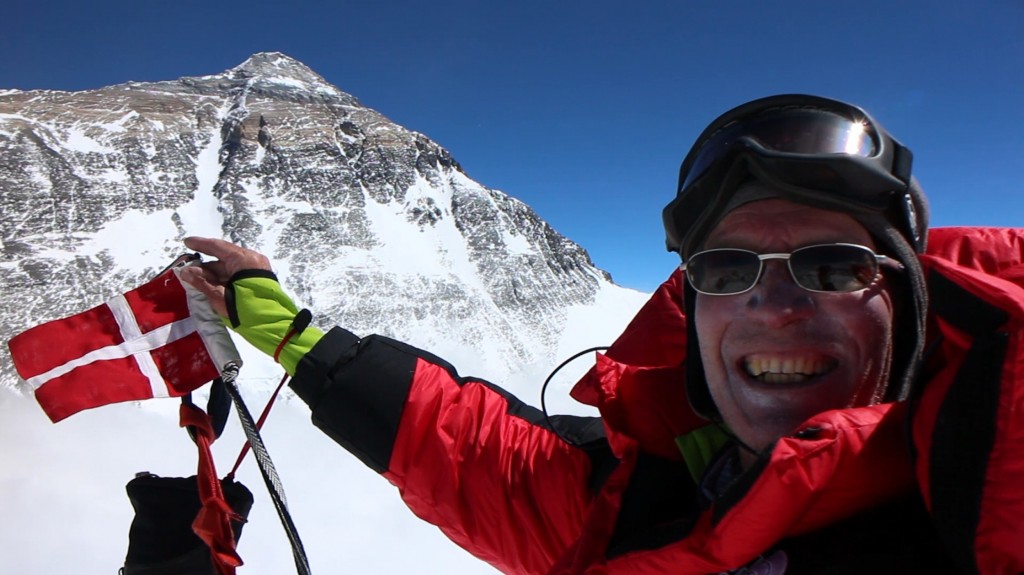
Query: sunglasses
{"points": [[826, 268]]}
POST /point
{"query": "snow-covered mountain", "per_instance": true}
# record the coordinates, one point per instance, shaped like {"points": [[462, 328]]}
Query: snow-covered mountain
{"points": [[372, 226]]}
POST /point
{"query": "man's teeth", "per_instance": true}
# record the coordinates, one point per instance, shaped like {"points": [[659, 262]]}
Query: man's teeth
{"points": [[789, 370], [782, 377]]}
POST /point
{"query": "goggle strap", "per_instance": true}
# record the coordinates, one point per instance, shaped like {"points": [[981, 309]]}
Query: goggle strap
{"points": [[902, 161], [910, 217]]}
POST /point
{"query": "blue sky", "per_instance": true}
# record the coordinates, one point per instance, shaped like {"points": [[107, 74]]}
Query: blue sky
{"points": [[584, 108]]}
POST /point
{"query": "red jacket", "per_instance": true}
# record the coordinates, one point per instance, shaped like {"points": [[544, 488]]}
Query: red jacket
{"points": [[616, 497]]}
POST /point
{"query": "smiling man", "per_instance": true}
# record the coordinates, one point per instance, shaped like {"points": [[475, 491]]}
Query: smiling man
{"points": [[780, 343], [772, 409], [799, 226]]}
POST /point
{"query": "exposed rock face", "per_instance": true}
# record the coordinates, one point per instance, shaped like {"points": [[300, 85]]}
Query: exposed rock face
{"points": [[375, 227]]}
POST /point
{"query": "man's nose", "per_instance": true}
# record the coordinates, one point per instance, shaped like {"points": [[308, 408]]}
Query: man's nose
{"points": [[777, 299]]}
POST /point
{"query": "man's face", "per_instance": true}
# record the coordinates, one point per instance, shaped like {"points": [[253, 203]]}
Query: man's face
{"points": [[814, 351]]}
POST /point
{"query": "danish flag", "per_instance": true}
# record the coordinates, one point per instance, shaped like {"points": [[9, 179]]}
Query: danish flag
{"points": [[161, 339]]}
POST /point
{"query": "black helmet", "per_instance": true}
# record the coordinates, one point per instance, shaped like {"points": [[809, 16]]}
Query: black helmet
{"points": [[818, 152]]}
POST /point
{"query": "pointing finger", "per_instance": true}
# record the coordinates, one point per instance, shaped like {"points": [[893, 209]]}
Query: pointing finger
{"points": [[232, 258], [211, 246]]}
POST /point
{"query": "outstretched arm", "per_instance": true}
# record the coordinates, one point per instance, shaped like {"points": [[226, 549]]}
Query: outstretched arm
{"points": [[466, 455]]}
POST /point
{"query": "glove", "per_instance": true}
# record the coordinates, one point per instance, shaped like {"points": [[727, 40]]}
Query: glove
{"points": [[260, 312]]}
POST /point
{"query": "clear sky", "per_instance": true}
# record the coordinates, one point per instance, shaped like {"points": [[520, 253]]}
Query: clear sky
{"points": [[584, 108]]}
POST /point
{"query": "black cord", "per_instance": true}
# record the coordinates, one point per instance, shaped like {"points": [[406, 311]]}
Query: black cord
{"points": [[544, 388], [547, 418]]}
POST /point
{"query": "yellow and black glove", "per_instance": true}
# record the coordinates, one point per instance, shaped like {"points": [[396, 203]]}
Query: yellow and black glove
{"points": [[260, 312]]}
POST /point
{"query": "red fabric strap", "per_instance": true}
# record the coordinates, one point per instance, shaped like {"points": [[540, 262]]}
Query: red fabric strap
{"points": [[213, 523]]}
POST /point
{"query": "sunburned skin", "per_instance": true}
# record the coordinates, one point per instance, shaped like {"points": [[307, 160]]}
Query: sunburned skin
{"points": [[779, 354]]}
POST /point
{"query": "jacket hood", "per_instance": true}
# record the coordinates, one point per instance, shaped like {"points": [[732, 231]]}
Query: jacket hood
{"points": [[639, 384]]}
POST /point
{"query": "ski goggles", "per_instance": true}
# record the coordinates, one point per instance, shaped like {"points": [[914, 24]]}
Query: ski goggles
{"points": [[825, 268], [794, 134], [814, 150]]}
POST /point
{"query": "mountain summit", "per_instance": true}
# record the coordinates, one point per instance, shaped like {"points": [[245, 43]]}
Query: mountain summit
{"points": [[276, 64], [371, 225]]}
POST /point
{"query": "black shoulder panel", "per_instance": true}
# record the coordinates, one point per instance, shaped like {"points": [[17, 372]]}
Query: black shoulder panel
{"points": [[966, 426]]}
